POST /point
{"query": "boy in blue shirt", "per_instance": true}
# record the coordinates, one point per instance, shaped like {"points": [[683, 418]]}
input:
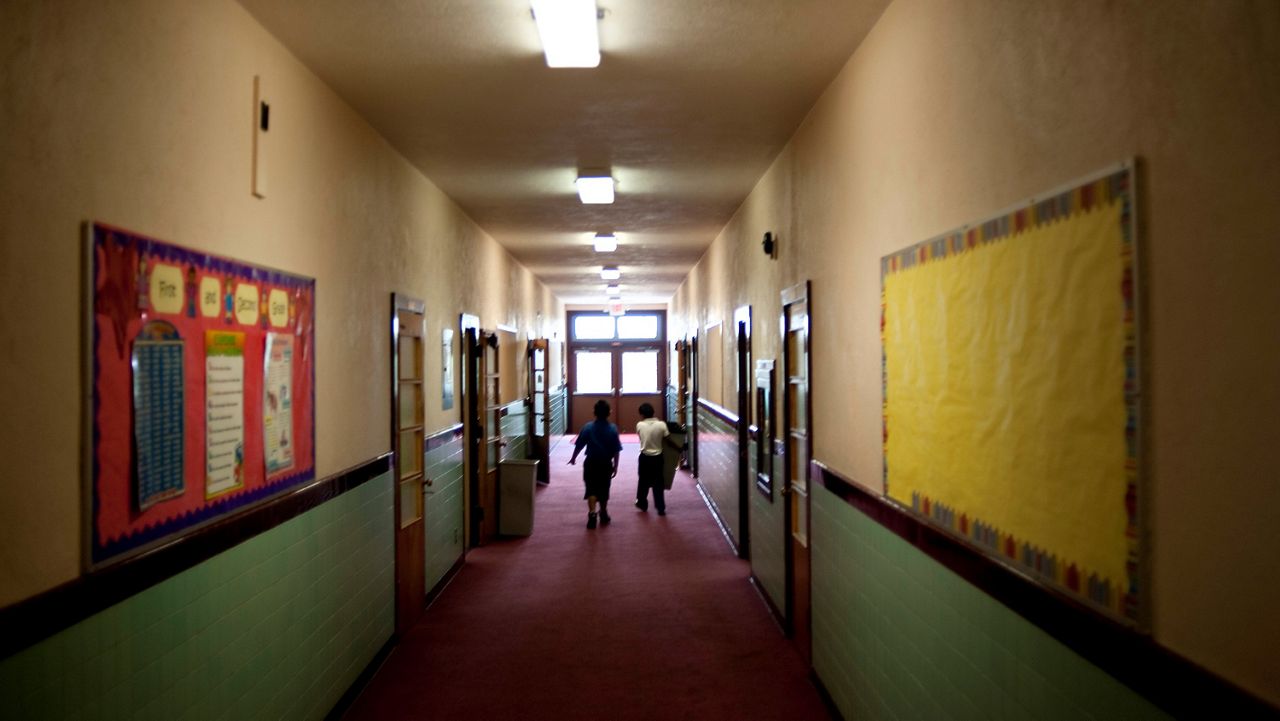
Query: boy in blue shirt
{"points": [[600, 438]]}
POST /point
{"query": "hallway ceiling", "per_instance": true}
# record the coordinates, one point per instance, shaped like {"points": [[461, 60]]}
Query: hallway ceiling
{"points": [[691, 102]]}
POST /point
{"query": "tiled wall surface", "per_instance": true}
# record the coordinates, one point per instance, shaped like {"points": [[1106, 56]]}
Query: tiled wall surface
{"points": [[559, 416], [689, 412], [515, 432], [718, 467], [898, 636], [443, 509], [767, 561], [277, 627]]}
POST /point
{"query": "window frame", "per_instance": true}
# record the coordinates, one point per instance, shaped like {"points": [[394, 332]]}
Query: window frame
{"points": [[571, 323]]}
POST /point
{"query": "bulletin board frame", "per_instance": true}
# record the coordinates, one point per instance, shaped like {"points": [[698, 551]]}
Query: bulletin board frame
{"points": [[235, 410], [1125, 598]]}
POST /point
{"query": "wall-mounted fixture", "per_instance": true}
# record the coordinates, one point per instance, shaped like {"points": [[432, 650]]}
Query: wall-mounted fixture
{"points": [[568, 32], [770, 245], [595, 189], [261, 124], [605, 243], [610, 272]]}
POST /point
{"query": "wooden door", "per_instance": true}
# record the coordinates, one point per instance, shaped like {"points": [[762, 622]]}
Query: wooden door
{"points": [[625, 375], [796, 437], [592, 378], [691, 455], [539, 407], [743, 382], [682, 391], [489, 430], [682, 382], [473, 427], [641, 377], [407, 424]]}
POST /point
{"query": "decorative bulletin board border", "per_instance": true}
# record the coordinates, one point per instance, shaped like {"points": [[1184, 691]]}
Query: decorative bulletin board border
{"points": [[1121, 600], [201, 376]]}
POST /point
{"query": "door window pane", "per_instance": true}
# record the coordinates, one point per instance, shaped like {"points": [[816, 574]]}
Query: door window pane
{"points": [[410, 404], [410, 453], [410, 348], [593, 327], [410, 502], [640, 371], [638, 327], [594, 372]]}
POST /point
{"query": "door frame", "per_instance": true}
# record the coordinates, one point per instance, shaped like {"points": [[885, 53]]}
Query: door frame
{"points": [[409, 563], [539, 444], [744, 385], [684, 394], [798, 621], [489, 413], [470, 388], [617, 347], [692, 454]]}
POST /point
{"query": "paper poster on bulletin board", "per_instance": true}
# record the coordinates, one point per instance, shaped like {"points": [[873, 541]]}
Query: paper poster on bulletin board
{"points": [[202, 379], [1010, 388]]}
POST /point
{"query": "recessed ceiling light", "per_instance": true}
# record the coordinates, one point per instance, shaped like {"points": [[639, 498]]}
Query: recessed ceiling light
{"points": [[568, 32], [595, 189], [606, 243], [613, 290], [610, 272]]}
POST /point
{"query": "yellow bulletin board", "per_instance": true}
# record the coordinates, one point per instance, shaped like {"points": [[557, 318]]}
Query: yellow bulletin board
{"points": [[1010, 387]]}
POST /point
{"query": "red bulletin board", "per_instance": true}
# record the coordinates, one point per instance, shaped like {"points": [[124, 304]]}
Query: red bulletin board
{"points": [[183, 430]]}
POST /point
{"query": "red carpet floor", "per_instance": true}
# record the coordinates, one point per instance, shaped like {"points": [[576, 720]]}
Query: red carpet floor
{"points": [[647, 618]]}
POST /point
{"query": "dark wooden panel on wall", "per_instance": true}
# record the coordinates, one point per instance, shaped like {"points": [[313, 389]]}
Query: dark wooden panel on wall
{"points": [[27, 622], [1168, 680]]}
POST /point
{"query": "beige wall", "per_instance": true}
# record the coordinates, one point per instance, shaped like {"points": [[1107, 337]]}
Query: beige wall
{"points": [[139, 114], [951, 111]]}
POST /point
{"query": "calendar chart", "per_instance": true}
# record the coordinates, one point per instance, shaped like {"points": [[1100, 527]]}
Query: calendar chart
{"points": [[157, 413]]}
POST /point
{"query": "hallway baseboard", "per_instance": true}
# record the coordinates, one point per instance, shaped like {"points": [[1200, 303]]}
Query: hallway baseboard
{"points": [[357, 686], [715, 514], [825, 695], [449, 575], [776, 614]]}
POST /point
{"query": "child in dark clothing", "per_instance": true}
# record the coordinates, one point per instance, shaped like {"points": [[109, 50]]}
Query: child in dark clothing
{"points": [[600, 438]]}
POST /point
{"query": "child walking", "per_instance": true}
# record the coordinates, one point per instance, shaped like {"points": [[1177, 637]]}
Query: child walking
{"points": [[600, 438], [652, 432]]}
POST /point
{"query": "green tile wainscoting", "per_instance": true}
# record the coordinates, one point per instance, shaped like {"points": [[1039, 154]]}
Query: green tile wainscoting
{"points": [[718, 466], [559, 403], [443, 508], [898, 635], [277, 626], [767, 532], [899, 601], [514, 428]]}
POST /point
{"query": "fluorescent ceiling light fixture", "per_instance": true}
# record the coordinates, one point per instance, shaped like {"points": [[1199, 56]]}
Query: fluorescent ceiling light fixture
{"points": [[568, 32], [606, 243], [610, 272], [595, 190], [613, 290]]}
